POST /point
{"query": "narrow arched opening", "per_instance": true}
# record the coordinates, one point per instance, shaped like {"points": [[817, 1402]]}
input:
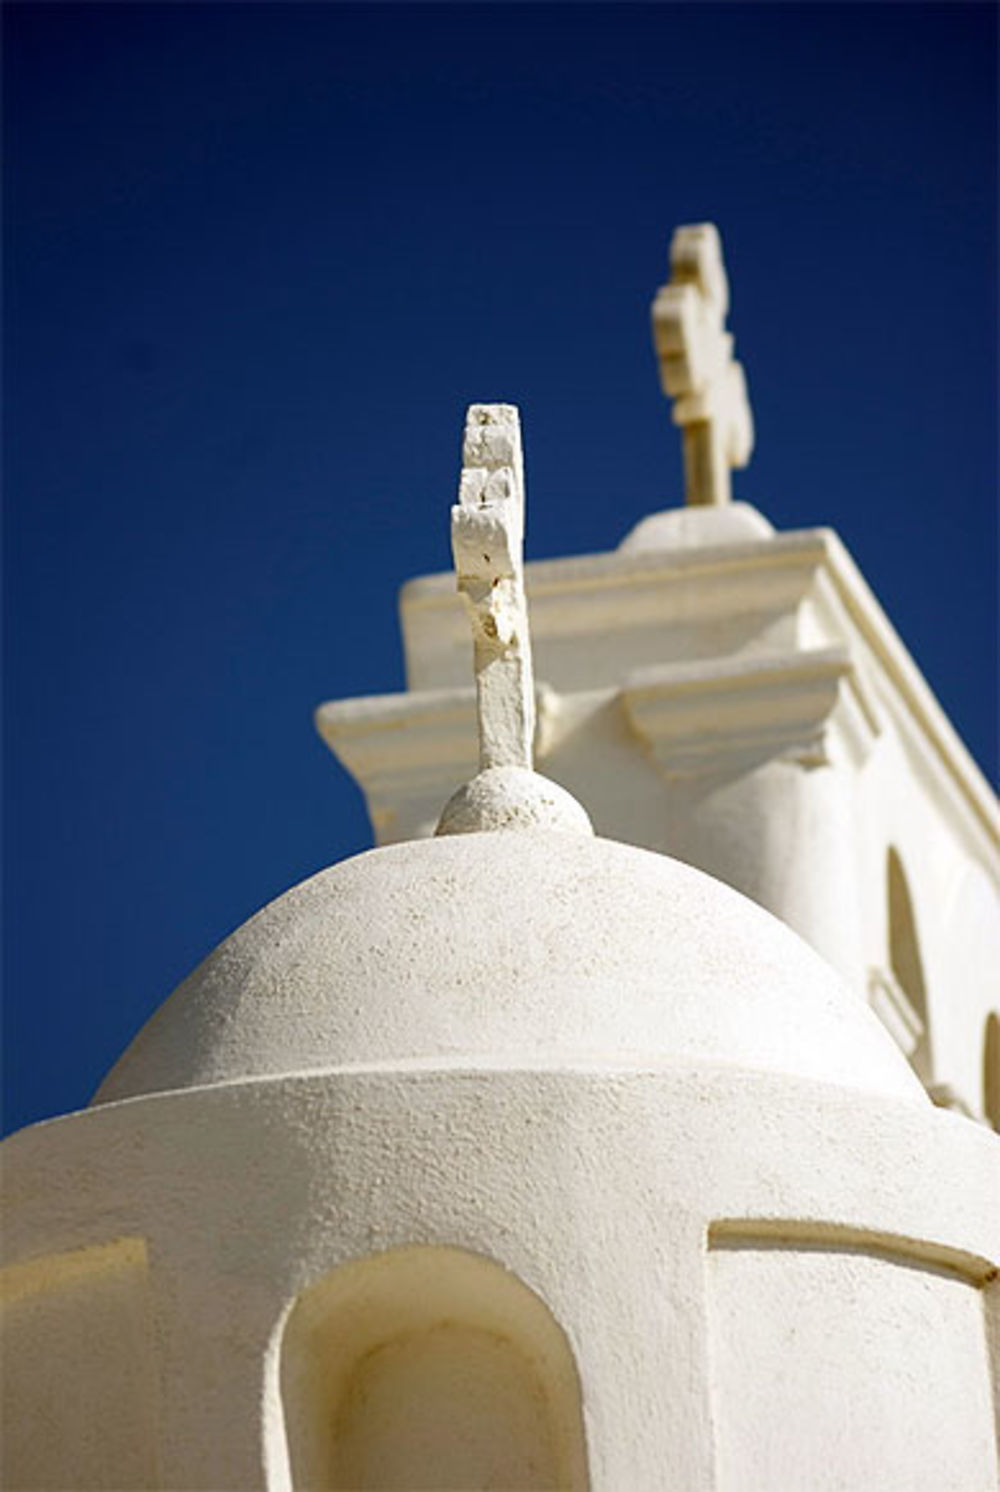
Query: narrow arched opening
{"points": [[991, 1070], [429, 1368], [906, 963]]}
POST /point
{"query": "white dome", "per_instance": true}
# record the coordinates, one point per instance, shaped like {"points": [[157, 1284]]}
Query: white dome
{"points": [[696, 528], [510, 949]]}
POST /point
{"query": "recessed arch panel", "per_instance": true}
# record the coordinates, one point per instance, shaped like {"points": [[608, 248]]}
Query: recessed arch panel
{"points": [[429, 1368], [906, 961]]}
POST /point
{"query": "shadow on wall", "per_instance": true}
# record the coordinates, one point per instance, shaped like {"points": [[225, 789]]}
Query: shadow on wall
{"points": [[429, 1368], [991, 1070], [906, 964]]}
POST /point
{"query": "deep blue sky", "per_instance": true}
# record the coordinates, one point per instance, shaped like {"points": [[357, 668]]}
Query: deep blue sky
{"points": [[259, 258]]}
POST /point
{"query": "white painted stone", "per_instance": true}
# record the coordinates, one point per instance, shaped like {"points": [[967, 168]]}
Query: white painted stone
{"points": [[429, 1357], [697, 528], [606, 1190], [538, 947], [79, 1370], [540, 1160], [579, 1064], [745, 706], [697, 367], [735, 697], [512, 798], [862, 1347], [487, 536]]}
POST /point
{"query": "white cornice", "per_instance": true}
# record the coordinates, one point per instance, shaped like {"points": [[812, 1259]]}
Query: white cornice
{"points": [[762, 597], [927, 720], [410, 750], [600, 571], [645, 606], [403, 743], [703, 717]]}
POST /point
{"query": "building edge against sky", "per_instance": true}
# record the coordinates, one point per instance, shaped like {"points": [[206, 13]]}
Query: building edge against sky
{"points": [[736, 698], [532, 1158]]}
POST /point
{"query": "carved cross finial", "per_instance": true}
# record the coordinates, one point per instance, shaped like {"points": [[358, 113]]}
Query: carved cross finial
{"points": [[697, 367], [487, 535]]}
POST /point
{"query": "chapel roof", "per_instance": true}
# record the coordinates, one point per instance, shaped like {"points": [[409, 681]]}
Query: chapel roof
{"points": [[510, 949]]}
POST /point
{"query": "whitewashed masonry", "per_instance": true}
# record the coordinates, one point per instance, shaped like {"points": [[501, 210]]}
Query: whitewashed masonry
{"points": [[520, 1157]]}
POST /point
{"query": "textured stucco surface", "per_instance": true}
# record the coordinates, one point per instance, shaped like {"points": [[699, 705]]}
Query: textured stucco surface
{"points": [[601, 1190], [735, 698], [641, 1097], [433, 1368], [496, 948], [512, 798], [78, 1378]]}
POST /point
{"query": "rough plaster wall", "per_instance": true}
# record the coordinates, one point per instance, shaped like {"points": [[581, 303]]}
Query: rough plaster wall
{"points": [[505, 948], [954, 903], [874, 1354], [960, 1017], [599, 1189], [715, 587], [77, 1378]]}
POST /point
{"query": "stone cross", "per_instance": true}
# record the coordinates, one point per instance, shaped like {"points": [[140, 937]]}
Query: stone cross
{"points": [[697, 367], [487, 536]]}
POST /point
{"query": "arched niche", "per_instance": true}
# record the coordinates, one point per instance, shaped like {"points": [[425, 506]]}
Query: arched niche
{"points": [[906, 963], [991, 1070], [77, 1389], [429, 1368]]}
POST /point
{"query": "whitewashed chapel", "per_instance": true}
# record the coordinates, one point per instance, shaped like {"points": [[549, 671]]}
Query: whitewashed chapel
{"points": [[626, 1127]]}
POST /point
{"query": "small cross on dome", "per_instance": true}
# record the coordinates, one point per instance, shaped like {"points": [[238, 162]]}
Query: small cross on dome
{"points": [[487, 538]]}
